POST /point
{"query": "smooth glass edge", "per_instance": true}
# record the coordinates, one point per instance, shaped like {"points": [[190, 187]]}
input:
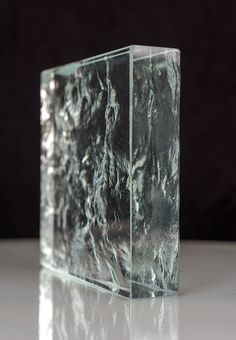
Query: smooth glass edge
{"points": [[152, 291], [131, 162], [178, 61], [70, 67], [152, 51], [102, 286]]}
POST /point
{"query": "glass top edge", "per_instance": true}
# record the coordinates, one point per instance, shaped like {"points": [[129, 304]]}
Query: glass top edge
{"points": [[84, 61], [109, 54], [140, 52], [167, 48]]}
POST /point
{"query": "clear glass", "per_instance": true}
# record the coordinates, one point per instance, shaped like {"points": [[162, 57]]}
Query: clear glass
{"points": [[110, 170]]}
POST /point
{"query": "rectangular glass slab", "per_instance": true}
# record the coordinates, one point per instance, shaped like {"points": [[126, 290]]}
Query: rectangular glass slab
{"points": [[110, 170]]}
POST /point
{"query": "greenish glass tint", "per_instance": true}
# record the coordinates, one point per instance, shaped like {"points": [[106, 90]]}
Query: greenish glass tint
{"points": [[110, 170]]}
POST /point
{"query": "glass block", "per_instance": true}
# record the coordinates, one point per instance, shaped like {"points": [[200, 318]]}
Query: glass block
{"points": [[110, 170]]}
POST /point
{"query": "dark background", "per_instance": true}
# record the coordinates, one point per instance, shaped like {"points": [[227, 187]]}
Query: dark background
{"points": [[37, 35]]}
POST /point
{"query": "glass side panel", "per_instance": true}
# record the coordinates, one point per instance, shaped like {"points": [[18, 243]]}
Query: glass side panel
{"points": [[85, 197], [155, 171]]}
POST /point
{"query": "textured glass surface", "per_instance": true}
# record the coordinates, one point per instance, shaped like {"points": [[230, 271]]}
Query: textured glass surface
{"points": [[109, 170]]}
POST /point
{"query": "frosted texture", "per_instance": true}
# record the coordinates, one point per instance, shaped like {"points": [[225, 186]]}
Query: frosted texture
{"points": [[109, 170]]}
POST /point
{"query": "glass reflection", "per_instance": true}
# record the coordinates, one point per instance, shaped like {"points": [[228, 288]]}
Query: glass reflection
{"points": [[69, 310]]}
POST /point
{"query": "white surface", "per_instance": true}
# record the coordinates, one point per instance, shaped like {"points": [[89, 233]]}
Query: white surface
{"points": [[36, 305]]}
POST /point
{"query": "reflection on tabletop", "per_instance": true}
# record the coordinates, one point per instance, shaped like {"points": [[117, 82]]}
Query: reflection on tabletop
{"points": [[69, 310]]}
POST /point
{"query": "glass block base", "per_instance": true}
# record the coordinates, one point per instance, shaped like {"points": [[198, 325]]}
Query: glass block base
{"points": [[110, 170], [69, 311]]}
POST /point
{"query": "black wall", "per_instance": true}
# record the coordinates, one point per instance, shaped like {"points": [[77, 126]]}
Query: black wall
{"points": [[37, 35]]}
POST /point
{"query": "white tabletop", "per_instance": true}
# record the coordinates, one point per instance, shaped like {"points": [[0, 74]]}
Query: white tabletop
{"points": [[37, 304]]}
